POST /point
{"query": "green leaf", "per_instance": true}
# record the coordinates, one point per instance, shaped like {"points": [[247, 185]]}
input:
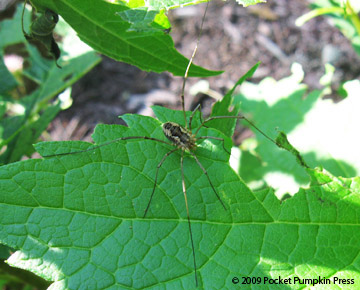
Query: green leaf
{"points": [[140, 19], [53, 83], [22, 144], [76, 219], [10, 29], [5, 252], [112, 29], [10, 33], [15, 278], [39, 66], [7, 81], [221, 108], [283, 142]]}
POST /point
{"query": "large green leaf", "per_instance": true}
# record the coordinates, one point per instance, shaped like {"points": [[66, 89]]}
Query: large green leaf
{"points": [[113, 30], [134, 32], [77, 219]]}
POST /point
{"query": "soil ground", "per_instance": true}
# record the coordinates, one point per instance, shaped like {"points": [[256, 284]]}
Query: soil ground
{"points": [[233, 39]]}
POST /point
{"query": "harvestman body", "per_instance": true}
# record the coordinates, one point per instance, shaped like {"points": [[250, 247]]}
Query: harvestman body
{"points": [[183, 139]]}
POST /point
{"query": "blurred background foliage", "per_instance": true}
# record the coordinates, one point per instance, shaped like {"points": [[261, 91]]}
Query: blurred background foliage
{"points": [[35, 90], [323, 131]]}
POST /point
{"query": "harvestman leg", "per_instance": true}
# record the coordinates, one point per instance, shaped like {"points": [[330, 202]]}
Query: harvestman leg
{"points": [[188, 214], [108, 143], [129, 138], [197, 108], [185, 197], [189, 65], [234, 117], [220, 139], [207, 175], [156, 176]]}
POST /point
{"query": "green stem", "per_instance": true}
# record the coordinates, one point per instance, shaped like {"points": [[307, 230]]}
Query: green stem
{"points": [[353, 17], [317, 12]]}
